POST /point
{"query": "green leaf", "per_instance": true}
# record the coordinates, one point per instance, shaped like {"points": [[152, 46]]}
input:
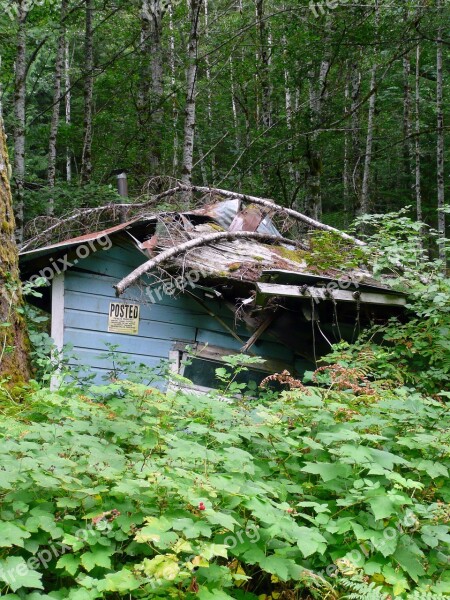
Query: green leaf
{"points": [[15, 572], [328, 471], [123, 581], [69, 562], [310, 541], [382, 507], [12, 535], [98, 557], [205, 594]]}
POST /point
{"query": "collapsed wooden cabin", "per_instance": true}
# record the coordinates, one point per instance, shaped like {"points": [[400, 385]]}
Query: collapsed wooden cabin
{"points": [[213, 281]]}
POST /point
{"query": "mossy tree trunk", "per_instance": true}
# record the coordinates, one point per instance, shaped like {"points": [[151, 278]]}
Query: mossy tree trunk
{"points": [[14, 362]]}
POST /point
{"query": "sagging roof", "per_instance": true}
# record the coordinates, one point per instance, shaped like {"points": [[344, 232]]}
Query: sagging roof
{"points": [[295, 263]]}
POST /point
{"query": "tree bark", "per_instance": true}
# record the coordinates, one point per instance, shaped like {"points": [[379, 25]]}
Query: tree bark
{"points": [[156, 13], [264, 70], [191, 92], [175, 114], [418, 183], [407, 124], [365, 199], [14, 362], [86, 163], [440, 139], [19, 114], [54, 124], [346, 175], [68, 106], [356, 134]]}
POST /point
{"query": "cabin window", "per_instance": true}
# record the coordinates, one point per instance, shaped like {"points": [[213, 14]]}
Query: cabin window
{"points": [[200, 367]]}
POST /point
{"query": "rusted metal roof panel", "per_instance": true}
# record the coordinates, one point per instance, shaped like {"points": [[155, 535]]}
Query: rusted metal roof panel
{"points": [[89, 237]]}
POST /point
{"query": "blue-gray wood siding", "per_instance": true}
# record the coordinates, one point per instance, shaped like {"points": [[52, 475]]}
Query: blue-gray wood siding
{"points": [[89, 292]]}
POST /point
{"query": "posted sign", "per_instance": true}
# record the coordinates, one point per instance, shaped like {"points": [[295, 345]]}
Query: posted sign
{"points": [[124, 318]]}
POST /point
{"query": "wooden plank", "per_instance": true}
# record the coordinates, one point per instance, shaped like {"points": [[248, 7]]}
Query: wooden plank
{"points": [[92, 358], [176, 314], [91, 321], [58, 293], [57, 324], [319, 294], [127, 344]]}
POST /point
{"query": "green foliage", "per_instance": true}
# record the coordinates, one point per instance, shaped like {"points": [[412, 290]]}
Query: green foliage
{"points": [[124, 491], [416, 349]]}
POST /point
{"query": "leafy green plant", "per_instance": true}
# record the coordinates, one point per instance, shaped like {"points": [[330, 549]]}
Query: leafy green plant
{"points": [[129, 492]]}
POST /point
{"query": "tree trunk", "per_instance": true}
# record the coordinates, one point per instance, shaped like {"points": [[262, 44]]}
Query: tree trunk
{"points": [[86, 164], [68, 106], [346, 176], [54, 124], [19, 113], [157, 89], [264, 70], [174, 99], [440, 140], [418, 183], [191, 91], [365, 201], [142, 101], [14, 363], [356, 134], [407, 124], [209, 88]]}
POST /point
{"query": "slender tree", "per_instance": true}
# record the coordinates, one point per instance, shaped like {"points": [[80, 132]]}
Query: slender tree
{"points": [[418, 176], [440, 137], [68, 107], [14, 364], [191, 94], [54, 124], [156, 11], [264, 66], [86, 164], [20, 116], [365, 200]]}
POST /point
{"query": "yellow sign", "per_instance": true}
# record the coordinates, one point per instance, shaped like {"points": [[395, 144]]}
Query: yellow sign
{"points": [[124, 318]]}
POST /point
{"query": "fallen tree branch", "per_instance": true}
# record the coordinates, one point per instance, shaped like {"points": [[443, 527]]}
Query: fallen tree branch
{"points": [[203, 240]]}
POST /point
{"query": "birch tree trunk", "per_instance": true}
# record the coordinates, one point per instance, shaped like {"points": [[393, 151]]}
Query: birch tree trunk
{"points": [[264, 59], [19, 114], [440, 139], [54, 124], [68, 107], [209, 87], [356, 134], [86, 163], [143, 103], [317, 92], [14, 363], [365, 199], [418, 183], [157, 89], [346, 176], [407, 123], [174, 100], [191, 91]]}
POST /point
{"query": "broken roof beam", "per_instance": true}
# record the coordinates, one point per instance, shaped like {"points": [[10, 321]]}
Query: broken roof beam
{"points": [[203, 240], [326, 294]]}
